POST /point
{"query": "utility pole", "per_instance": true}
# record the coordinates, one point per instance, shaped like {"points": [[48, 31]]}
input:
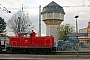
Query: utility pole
{"points": [[19, 20], [40, 20], [22, 7], [19, 27]]}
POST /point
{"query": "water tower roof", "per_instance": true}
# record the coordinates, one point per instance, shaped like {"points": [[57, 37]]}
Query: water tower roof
{"points": [[53, 7]]}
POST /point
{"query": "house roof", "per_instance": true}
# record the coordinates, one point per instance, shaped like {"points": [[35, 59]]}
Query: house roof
{"points": [[53, 7]]}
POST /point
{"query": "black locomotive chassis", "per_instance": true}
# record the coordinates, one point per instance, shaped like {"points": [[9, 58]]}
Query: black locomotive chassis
{"points": [[30, 50]]}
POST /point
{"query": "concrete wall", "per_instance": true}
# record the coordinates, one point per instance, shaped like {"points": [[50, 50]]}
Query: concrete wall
{"points": [[52, 30]]}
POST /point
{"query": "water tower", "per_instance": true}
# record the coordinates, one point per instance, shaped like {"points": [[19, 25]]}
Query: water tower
{"points": [[52, 15]]}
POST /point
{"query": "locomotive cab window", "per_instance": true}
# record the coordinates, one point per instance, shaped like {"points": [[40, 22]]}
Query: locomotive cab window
{"points": [[23, 35]]}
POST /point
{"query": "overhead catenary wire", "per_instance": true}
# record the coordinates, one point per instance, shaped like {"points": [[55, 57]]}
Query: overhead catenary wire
{"points": [[20, 1], [29, 7], [5, 9]]}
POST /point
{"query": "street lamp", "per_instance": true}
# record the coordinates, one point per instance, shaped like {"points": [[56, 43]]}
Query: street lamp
{"points": [[76, 24], [77, 32]]}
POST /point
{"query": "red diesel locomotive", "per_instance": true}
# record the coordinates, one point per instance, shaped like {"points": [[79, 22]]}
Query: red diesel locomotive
{"points": [[30, 43]]}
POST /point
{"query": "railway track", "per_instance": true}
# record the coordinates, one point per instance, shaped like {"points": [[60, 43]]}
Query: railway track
{"points": [[54, 53], [72, 53]]}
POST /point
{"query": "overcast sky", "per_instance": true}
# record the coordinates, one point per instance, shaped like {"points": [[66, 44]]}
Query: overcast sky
{"points": [[32, 7]]}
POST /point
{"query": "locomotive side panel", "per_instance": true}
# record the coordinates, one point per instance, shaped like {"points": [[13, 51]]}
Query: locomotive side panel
{"points": [[38, 41], [43, 42], [50, 40], [14, 42], [26, 42]]}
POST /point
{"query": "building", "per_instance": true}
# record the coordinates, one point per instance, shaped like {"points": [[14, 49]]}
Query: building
{"points": [[52, 16], [85, 39], [84, 30], [88, 29]]}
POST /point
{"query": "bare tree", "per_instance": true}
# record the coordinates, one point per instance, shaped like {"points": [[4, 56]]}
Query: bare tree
{"points": [[20, 22]]}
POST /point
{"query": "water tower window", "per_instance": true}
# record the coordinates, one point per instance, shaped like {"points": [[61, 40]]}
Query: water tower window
{"points": [[44, 8], [49, 15], [56, 15], [56, 12], [51, 7]]}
